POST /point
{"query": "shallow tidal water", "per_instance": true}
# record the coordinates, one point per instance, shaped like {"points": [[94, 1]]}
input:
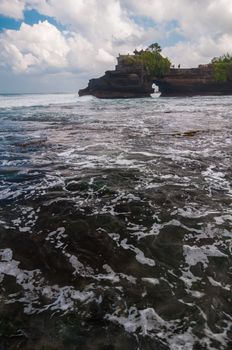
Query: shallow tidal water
{"points": [[115, 223]]}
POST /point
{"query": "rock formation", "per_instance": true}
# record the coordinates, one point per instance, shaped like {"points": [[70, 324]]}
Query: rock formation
{"points": [[126, 81], [131, 81], [192, 81]]}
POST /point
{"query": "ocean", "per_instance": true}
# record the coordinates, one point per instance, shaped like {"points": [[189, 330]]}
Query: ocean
{"points": [[115, 223]]}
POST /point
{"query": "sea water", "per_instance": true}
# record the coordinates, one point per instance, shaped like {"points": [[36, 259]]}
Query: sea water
{"points": [[115, 222]]}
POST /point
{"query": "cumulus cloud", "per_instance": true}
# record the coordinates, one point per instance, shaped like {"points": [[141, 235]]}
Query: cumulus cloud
{"points": [[39, 45], [95, 18], [194, 17], [204, 25], [13, 8], [97, 30], [42, 47], [191, 53]]}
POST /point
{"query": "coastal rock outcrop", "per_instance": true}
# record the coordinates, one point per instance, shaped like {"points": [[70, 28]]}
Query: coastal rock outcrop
{"points": [[126, 81], [191, 82], [132, 81]]}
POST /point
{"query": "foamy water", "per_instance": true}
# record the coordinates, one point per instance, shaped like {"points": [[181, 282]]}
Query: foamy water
{"points": [[118, 216]]}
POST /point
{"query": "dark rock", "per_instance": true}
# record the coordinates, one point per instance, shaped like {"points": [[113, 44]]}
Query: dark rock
{"points": [[126, 81], [132, 81], [192, 81]]}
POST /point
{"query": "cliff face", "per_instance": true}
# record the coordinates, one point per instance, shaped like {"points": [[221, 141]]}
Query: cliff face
{"points": [[132, 81], [192, 81], [126, 81]]}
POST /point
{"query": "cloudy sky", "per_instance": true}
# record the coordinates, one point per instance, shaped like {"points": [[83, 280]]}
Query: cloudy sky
{"points": [[57, 45]]}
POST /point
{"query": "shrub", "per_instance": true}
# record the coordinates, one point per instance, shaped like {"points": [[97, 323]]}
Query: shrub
{"points": [[151, 59], [222, 68]]}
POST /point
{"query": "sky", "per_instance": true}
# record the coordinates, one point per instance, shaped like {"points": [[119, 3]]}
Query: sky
{"points": [[58, 45]]}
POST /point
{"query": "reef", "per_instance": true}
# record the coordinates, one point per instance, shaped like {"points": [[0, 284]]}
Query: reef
{"points": [[132, 81]]}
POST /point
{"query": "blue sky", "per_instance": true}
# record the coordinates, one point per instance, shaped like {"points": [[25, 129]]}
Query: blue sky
{"points": [[30, 17], [51, 45]]}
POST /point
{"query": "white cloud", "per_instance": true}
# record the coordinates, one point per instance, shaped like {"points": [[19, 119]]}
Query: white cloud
{"points": [[104, 56], [97, 30], [194, 17], [190, 54], [109, 25], [12, 8], [94, 18], [41, 45], [204, 25]]}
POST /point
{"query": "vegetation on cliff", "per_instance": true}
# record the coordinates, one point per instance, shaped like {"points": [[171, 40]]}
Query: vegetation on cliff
{"points": [[152, 60], [222, 68]]}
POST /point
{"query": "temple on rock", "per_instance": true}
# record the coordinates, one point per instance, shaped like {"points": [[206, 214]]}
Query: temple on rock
{"points": [[126, 81], [131, 80]]}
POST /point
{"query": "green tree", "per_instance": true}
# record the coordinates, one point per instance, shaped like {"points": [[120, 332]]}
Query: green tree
{"points": [[151, 59], [222, 68], [155, 47]]}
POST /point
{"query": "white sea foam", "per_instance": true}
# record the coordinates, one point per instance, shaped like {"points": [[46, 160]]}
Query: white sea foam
{"points": [[146, 320], [28, 100], [34, 285], [139, 255], [218, 284], [153, 281], [194, 254]]}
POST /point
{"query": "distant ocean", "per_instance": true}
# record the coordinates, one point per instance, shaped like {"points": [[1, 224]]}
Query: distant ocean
{"points": [[115, 223]]}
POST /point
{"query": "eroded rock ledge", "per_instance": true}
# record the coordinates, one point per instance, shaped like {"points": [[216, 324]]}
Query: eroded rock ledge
{"points": [[191, 82], [132, 81], [126, 81]]}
